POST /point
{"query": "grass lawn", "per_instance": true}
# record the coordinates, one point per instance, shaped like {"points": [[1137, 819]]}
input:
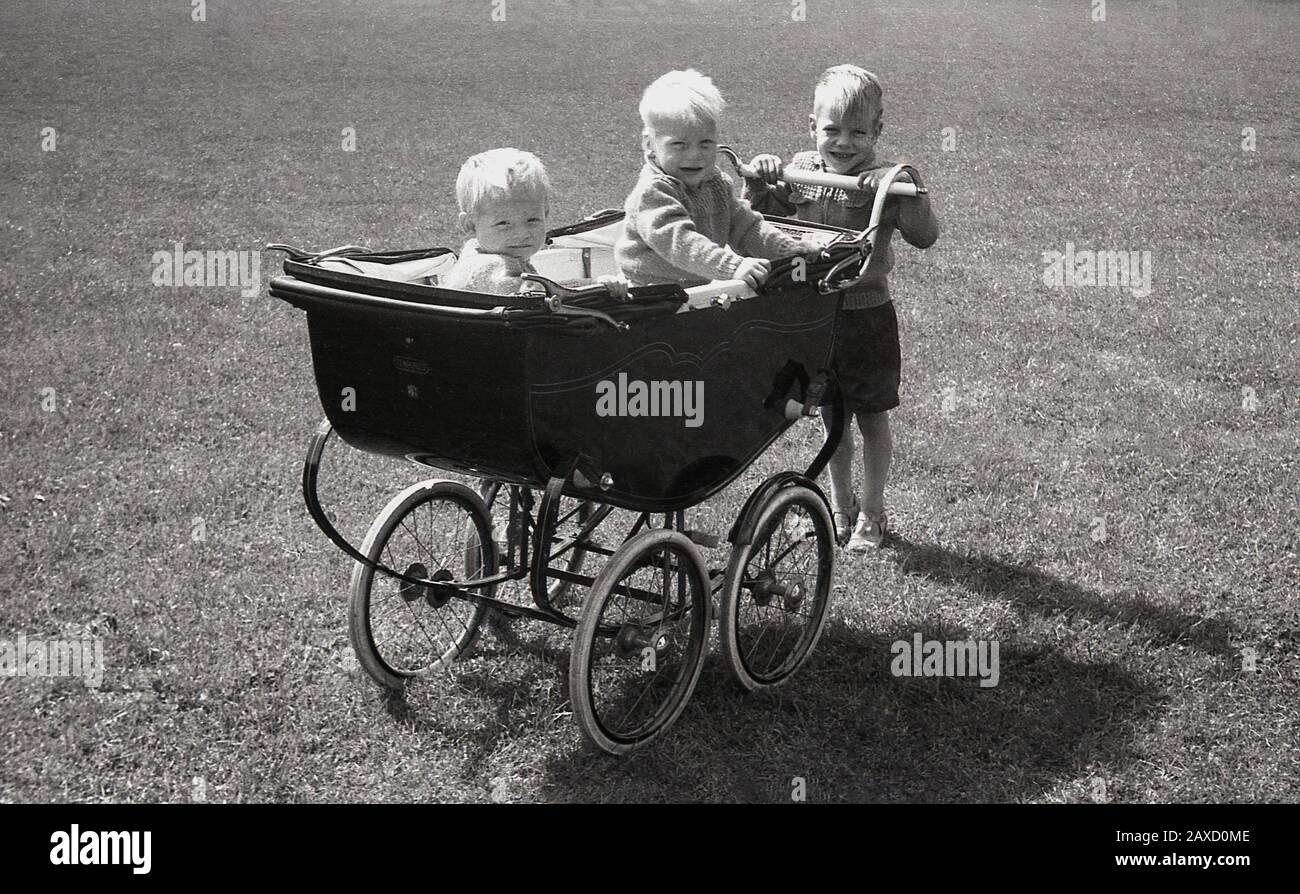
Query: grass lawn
{"points": [[1106, 484]]}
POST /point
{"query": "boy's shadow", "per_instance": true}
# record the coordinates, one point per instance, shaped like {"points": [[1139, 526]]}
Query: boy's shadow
{"points": [[1032, 589]]}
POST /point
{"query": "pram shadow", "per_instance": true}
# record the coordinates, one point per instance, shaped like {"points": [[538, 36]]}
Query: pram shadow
{"points": [[847, 729], [499, 692]]}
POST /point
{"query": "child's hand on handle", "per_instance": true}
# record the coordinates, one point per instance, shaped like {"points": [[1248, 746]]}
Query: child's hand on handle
{"points": [[768, 167], [617, 284], [869, 181], [753, 271]]}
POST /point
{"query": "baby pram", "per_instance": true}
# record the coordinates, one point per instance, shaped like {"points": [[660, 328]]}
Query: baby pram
{"points": [[567, 406]]}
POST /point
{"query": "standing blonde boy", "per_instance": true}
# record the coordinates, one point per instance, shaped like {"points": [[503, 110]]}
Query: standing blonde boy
{"points": [[845, 123], [683, 223]]}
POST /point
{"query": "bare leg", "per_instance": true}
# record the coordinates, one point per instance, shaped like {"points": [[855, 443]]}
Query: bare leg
{"points": [[877, 451], [840, 466]]}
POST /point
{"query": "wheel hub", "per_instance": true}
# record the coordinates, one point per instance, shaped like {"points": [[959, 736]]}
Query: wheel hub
{"points": [[633, 639], [409, 591], [437, 597], [794, 595], [763, 586]]}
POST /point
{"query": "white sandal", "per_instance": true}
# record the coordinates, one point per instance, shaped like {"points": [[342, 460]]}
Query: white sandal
{"points": [[870, 533], [844, 520]]}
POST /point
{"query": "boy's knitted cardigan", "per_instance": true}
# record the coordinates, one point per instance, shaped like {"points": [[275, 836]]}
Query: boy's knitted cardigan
{"points": [[689, 235]]}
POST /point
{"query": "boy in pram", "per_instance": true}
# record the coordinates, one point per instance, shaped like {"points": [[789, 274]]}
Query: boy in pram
{"points": [[504, 197]]}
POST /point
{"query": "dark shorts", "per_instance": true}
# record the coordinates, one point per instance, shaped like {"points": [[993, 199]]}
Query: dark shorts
{"points": [[866, 358]]}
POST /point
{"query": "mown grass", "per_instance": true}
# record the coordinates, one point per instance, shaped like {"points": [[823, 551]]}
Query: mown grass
{"points": [[1121, 659]]}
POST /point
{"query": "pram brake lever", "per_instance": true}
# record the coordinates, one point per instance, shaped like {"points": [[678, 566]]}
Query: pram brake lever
{"points": [[556, 294]]}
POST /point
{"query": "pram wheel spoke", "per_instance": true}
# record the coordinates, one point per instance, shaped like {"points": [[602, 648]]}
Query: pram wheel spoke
{"points": [[437, 531], [777, 587], [641, 641]]}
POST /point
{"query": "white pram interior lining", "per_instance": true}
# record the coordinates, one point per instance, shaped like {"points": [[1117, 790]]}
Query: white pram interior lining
{"points": [[568, 259]]}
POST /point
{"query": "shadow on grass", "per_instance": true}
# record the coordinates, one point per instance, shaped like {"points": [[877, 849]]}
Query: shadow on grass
{"points": [[1033, 589], [496, 694], [845, 725], [853, 732]]}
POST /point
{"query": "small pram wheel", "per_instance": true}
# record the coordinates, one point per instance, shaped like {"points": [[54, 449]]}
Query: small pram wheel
{"points": [[641, 641], [777, 588], [399, 629]]}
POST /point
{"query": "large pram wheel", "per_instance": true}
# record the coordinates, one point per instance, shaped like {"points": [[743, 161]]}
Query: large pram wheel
{"points": [[777, 587], [641, 641], [401, 629]]}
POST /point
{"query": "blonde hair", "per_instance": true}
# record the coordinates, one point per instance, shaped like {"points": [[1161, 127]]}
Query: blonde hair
{"points": [[681, 97], [501, 173], [847, 90]]}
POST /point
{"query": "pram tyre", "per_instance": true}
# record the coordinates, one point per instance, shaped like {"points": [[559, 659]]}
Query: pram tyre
{"points": [[622, 632], [777, 588], [401, 539]]}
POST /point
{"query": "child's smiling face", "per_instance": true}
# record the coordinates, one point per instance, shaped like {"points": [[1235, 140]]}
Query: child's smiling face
{"points": [[847, 142], [687, 151], [508, 226]]}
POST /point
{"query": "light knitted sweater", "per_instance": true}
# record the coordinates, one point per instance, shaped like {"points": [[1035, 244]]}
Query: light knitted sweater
{"points": [[674, 233], [913, 217], [491, 274]]}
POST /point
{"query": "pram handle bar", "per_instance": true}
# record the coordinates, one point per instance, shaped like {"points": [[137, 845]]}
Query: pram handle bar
{"points": [[719, 293], [866, 240], [566, 293], [817, 178]]}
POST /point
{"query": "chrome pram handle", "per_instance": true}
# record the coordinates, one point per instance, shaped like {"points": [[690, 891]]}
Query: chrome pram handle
{"points": [[312, 257], [828, 283], [865, 241], [819, 178]]}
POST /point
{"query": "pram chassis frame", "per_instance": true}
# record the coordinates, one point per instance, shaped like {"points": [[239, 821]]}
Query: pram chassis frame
{"points": [[537, 567]]}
